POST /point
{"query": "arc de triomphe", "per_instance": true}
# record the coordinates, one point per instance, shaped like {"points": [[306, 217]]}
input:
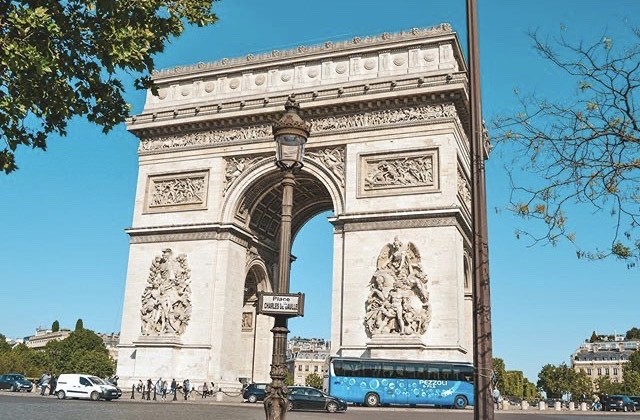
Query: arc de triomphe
{"points": [[388, 155]]}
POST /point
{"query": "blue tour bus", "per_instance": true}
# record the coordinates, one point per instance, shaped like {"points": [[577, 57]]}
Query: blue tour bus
{"points": [[372, 382]]}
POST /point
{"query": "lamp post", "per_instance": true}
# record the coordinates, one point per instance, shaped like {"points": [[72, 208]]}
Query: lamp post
{"points": [[482, 345], [290, 134]]}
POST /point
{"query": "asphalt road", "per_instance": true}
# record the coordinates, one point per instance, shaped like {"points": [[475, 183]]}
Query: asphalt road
{"points": [[25, 406]]}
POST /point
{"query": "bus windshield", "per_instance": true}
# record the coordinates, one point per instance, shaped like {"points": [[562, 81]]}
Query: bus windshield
{"points": [[376, 381]]}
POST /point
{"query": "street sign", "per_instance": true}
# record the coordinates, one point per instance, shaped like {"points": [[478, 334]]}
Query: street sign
{"points": [[288, 304]]}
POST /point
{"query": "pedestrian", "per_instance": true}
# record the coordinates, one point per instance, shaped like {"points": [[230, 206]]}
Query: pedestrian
{"points": [[163, 388], [149, 386], [205, 390], [44, 382], [52, 384], [140, 387], [496, 398], [186, 388], [174, 388]]}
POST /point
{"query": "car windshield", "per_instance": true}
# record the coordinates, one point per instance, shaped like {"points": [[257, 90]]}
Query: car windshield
{"points": [[96, 380]]}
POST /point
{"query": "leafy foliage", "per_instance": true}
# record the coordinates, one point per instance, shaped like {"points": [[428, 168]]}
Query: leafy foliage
{"points": [[4, 346], [55, 326], [584, 149], [60, 60], [558, 380], [633, 334], [82, 351], [314, 380], [79, 324], [288, 380]]}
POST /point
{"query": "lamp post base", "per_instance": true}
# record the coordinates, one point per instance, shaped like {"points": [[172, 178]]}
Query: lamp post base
{"points": [[276, 402]]}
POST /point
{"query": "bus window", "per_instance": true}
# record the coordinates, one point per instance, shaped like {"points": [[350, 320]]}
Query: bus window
{"points": [[338, 367], [371, 369], [387, 370], [433, 372], [411, 371], [399, 372], [446, 373]]}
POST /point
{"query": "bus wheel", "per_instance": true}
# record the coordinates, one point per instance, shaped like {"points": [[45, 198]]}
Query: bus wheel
{"points": [[460, 402], [371, 399]]}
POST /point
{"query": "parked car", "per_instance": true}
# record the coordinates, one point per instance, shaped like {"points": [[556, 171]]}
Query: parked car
{"points": [[307, 398], [73, 385], [15, 382], [618, 403], [636, 401], [255, 392]]}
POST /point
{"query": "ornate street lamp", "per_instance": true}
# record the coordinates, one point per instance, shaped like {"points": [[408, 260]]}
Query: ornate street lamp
{"points": [[290, 133]]}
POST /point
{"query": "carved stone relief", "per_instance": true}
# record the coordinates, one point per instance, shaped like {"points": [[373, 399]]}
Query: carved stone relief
{"points": [[398, 301], [247, 321], [332, 159], [166, 300], [398, 173], [344, 122], [464, 191], [187, 191], [235, 167]]}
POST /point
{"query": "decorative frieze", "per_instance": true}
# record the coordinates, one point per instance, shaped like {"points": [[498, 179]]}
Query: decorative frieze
{"points": [[398, 301], [358, 121], [166, 300], [407, 172], [332, 159], [236, 166], [464, 190], [171, 192]]}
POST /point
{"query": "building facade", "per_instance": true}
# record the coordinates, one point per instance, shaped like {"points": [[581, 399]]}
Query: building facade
{"points": [[306, 356], [388, 155], [42, 336], [604, 358]]}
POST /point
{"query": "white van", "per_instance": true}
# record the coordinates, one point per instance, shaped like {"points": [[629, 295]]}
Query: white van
{"points": [[74, 385]]}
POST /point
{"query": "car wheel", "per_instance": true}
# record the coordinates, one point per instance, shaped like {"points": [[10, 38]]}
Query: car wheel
{"points": [[371, 399], [625, 409], [332, 407], [60, 394], [94, 396], [252, 398], [289, 405], [14, 388], [460, 402]]}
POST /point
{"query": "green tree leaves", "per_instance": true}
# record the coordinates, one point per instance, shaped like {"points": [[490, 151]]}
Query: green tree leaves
{"points": [[314, 380], [61, 60], [558, 380]]}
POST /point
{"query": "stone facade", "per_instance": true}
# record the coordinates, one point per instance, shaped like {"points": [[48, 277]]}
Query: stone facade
{"points": [[604, 358], [388, 154]]}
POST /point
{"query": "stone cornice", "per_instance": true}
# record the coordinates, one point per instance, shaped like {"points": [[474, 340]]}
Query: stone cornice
{"points": [[305, 52], [191, 232], [316, 101]]}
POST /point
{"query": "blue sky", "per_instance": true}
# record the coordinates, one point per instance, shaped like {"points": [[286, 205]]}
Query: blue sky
{"points": [[64, 251]]}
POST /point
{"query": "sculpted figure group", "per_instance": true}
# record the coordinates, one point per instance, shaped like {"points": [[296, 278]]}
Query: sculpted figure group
{"points": [[398, 301], [166, 301]]}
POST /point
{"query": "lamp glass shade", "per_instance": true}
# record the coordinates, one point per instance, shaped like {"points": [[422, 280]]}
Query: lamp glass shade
{"points": [[289, 150]]}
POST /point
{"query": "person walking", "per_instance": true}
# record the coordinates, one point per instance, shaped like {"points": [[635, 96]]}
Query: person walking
{"points": [[174, 388], [52, 384], [163, 388], [186, 387], [205, 390], [149, 386]]}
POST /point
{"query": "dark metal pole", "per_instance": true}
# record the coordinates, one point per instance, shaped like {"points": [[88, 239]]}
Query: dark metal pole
{"points": [[482, 346], [275, 403]]}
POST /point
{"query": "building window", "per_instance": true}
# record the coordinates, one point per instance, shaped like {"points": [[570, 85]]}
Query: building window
{"points": [[306, 368], [615, 371], [599, 371], [606, 371], [299, 368], [589, 371], [315, 368]]}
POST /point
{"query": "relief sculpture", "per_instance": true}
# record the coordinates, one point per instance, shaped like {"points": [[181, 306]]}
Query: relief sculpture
{"points": [[234, 168], [398, 301], [414, 171], [166, 301], [177, 191], [332, 159]]}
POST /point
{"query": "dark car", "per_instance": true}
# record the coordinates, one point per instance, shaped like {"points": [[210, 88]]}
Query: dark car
{"points": [[254, 392], [636, 401], [15, 382], [618, 403], [307, 398]]}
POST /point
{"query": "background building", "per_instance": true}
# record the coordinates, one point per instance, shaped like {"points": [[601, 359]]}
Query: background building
{"points": [[306, 356], [605, 357], [43, 336]]}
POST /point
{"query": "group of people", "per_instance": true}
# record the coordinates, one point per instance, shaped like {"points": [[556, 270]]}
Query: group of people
{"points": [[161, 387], [46, 382]]}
